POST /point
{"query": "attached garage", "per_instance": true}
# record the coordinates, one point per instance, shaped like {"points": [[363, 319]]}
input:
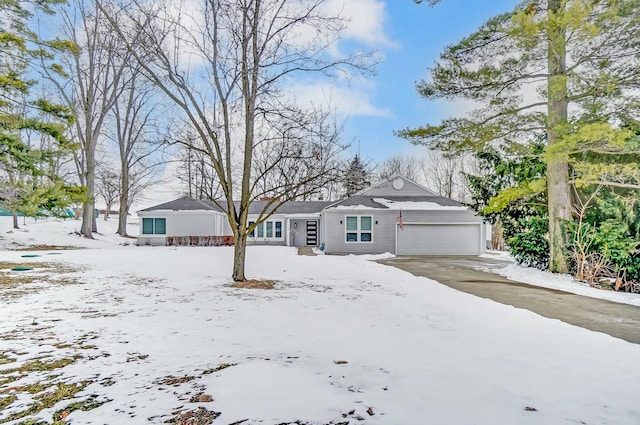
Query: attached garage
{"points": [[440, 239], [369, 223]]}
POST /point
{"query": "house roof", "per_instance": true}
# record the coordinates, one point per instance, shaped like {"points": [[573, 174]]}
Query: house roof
{"points": [[382, 195], [376, 201], [407, 194], [290, 207], [187, 203]]}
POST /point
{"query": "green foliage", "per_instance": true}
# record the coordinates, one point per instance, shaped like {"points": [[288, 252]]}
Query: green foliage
{"points": [[612, 240], [578, 56], [356, 177], [609, 230], [510, 192], [523, 190], [529, 241], [32, 130]]}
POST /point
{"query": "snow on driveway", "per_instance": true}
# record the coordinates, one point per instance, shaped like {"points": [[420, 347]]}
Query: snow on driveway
{"points": [[339, 339]]}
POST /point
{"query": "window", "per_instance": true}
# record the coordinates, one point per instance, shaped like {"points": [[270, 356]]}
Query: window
{"points": [[359, 228], [269, 230], [278, 225], [253, 232], [154, 226]]}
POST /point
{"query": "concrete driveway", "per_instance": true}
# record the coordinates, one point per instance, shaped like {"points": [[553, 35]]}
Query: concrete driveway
{"points": [[618, 320]]}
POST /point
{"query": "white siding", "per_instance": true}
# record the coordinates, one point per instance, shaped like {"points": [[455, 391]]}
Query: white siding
{"points": [[186, 223]]}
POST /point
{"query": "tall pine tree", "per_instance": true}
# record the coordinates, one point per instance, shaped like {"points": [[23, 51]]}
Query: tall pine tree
{"points": [[26, 182], [564, 70]]}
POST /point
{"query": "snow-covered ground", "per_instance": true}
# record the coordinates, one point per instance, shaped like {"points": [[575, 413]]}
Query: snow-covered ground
{"points": [[339, 339]]}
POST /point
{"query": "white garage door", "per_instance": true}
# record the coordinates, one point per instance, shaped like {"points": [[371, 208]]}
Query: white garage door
{"points": [[440, 239]]}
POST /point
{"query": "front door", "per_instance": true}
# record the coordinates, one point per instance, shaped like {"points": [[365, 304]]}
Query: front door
{"points": [[312, 233]]}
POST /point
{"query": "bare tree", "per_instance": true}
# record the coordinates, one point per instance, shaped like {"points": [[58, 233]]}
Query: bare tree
{"points": [[301, 149], [135, 114], [406, 166], [197, 173], [108, 187], [226, 66], [90, 84], [446, 175]]}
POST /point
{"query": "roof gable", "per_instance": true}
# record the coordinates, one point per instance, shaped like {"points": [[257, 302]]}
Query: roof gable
{"points": [[397, 192], [396, 185]]}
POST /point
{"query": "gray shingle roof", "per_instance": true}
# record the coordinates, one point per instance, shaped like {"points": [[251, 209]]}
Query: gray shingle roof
{"points": [[189, 204], [300, 207], [368, 201], [291, 207], [183, 204]]}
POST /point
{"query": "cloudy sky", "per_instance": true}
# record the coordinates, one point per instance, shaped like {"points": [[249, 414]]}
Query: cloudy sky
{"points": [[410, 37]]}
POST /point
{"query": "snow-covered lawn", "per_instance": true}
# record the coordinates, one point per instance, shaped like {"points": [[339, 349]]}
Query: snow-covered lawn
{"points": [[153, 331]]}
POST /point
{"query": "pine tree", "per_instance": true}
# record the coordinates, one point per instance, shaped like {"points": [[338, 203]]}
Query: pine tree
{"points": [[581, 60], [26, 182], [356, 177]]}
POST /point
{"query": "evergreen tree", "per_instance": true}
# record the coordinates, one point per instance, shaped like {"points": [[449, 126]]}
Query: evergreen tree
{"points": [[31, 130], [524, 219], [356, 177], [580, 58]]}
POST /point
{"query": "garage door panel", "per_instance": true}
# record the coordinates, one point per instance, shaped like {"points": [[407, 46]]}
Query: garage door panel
{"points": [[439, 239]]}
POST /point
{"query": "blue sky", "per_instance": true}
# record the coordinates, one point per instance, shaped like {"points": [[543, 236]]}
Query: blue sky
{"points": [[415, 34]]}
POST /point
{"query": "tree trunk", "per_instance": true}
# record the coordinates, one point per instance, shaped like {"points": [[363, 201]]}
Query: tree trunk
{"points": [[15, 220], [239, 254], [558, 194], [88, 216], [123, 211]]}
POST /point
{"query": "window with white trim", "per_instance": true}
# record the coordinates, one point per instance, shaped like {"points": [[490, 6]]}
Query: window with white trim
{"points": [[154, 226], [358, 228], [268, 230]]}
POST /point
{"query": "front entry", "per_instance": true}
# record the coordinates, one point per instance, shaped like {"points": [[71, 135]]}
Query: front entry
{"points": [[312, 233]]}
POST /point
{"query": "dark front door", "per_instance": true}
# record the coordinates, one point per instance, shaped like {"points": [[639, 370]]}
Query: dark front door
{"points": [[312, 233]]}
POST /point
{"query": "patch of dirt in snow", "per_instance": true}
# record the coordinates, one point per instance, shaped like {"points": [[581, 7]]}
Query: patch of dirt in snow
{"points": [[201, 398], [44, 248], [199, 416], [175, 380], [218, 368], [15, 283], [35, 385], [254, 284]]}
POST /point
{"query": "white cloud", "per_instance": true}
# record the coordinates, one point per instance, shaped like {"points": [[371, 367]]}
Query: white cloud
{"points": [[366, 20], [348, 101]]}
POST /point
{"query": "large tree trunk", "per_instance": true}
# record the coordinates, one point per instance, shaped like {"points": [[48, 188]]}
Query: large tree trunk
{"points": [[15, 220], [239, 254], [88, 208], [558, 194], [124, 199]]}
